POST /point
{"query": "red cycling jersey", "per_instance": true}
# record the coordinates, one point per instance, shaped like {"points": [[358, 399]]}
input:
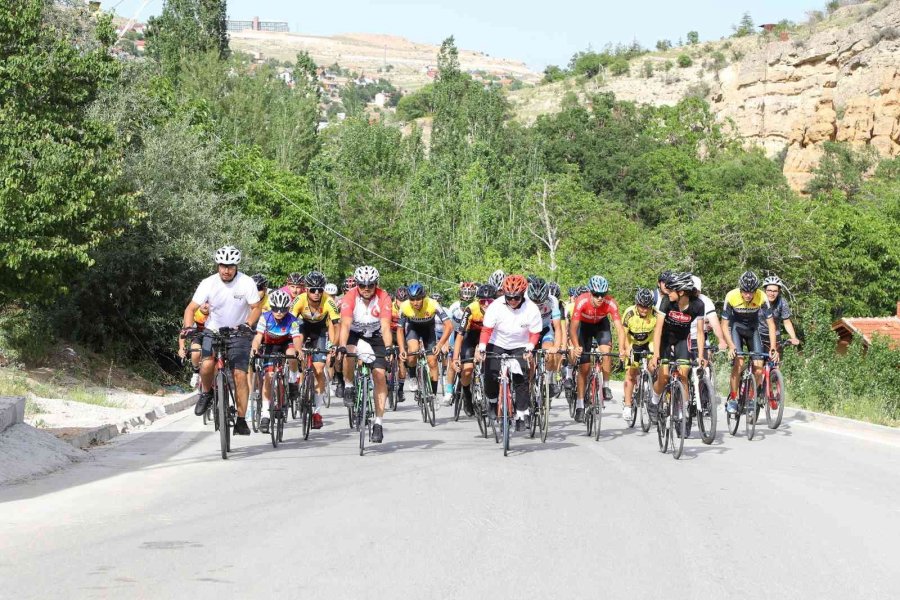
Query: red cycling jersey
{"points": [[586, 312]]}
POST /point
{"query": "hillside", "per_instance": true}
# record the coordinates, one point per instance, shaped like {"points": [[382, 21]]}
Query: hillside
{"points": [[834, 79], [407, 62]]}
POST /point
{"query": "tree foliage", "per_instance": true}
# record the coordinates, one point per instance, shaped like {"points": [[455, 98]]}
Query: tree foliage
{"points": [[186, 28]]}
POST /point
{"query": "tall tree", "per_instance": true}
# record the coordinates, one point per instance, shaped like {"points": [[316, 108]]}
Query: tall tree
{"points": [[187, 27], [58, 166]]}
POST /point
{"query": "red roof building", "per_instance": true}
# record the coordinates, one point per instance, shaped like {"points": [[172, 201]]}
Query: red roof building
{"points": [[866, 328]]}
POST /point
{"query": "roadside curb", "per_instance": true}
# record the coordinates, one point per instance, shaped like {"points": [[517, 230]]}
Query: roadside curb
{"points": [[84, 438], [860, 429], [12, 411]]}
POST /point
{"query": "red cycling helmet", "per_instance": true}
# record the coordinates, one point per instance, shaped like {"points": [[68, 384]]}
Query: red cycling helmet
{"points": [[514, 285], [467, 290]]}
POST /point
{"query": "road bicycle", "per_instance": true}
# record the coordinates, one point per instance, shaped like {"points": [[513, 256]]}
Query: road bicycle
{"points": [[671, 419], [362, 412], [747, 399], [506, 401], [424, 394], [593, 392], [279, 398], [773, 383], [640, 395], [224, 407], [540, 393]]}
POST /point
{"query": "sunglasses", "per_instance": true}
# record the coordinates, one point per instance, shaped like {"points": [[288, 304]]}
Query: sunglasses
{"points": [[366, 286], [280, 309], [518, 297], [596, 294], [315, 290]]}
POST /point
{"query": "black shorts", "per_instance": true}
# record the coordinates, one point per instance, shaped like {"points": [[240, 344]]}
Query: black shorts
{"points": [[746, 339], [238, 351], [316, 336], [469, 345], [593, 332], [424, 334], [674, 348], [375, 341]]}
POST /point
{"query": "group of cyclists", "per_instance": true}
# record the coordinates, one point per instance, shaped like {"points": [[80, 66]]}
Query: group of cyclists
{"points": [[510, 315]]}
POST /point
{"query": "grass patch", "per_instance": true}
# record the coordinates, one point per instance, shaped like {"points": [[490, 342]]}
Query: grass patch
{"points": [[33, 408], [86, 396]]}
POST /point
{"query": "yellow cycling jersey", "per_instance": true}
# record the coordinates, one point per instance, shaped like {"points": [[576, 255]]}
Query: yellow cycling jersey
{"points": [[476, 317], [745, 313], [327, 308], [199, 317], [427, 313], [266, 307], [570, 308], [639, 329]]}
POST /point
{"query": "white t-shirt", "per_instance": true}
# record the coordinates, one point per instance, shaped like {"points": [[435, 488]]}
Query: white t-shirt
{"points": [[708, 308], [512, 328], [229, 303]]}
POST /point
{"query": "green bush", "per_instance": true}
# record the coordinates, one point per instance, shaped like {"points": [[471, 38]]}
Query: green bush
{"points": [[684, 61], [859, 384], [619, 67]]}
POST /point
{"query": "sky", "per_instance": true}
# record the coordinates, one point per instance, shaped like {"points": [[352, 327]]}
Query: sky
{"points": [[536, 32]]}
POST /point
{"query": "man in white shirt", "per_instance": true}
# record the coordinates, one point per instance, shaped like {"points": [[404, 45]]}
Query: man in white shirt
{"points": [[512, 325], [234, 303]]}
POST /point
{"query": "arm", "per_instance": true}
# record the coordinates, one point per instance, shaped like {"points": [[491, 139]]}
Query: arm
{"points": [[701, 341], [716, 326], [573, 336], [448, 329], [657, 341], [789, 327], [386, 334], [557, 333], [726, 329], [255, 312], [773, 339], [620, 333]]}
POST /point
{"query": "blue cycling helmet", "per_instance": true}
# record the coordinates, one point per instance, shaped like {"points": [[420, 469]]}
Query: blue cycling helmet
{"points": [[416, 291], [598, 285]]}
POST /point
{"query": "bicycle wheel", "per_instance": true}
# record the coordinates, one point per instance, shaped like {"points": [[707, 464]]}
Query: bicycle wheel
{"points": [[706, 411], [478, 403], [505, 400], [306, 412], [545, 410], [679, 418], [597, 406], [457, 397], [294, 401], [644, 400], [571, 393], [635, 403], [734, 419], [775, 401], [429, 406], [221, 400], [535, 391], [363, 417], [275, 413], [752, 409], [662, 421]]}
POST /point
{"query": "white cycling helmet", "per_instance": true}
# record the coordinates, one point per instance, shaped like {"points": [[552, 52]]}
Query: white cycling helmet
{"points": [[496, 278], [772, 280], [697, 283], [366, 275], [228, 255], [331, 289], [279, 299]]}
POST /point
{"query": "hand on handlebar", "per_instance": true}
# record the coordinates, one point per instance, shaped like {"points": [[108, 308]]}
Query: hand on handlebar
{"points": [[731, 353], [479, 356]]}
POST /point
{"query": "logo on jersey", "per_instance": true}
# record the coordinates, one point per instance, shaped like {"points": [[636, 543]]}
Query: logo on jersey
{"points": [[680, 317]]}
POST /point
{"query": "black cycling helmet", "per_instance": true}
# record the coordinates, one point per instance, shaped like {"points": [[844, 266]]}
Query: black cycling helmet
{"points": [[485, 292], [582, 290], [664, 276], [295, 279], [402, 293], [748, 281], [644, 297], [315, 279], [680, 282], [538, 291], [261, 282], [573, 291], [555, 291], [436, 296]]}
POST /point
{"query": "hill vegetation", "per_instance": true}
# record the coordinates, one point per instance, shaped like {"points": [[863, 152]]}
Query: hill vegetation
{"points": [[120, 179]]}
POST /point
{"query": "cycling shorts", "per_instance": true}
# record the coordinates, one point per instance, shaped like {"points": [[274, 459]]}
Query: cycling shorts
{"points": [[425, 335], [746, 339], [469, 345], [633, 361], [675, 348], [375, 341], [317, 340], [593, 332], [269, 363]]}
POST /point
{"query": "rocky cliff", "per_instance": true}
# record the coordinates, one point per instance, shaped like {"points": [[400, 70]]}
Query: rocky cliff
{"points": [[835, 80]]}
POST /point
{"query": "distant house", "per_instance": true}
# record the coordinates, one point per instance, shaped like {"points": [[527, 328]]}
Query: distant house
{"points": [[866, 328], [287, 76], [431, 73], [381, 99], [140, 45]]}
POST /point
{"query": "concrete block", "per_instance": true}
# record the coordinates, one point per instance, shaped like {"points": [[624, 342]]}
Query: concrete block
{"points": [[12, 411]]}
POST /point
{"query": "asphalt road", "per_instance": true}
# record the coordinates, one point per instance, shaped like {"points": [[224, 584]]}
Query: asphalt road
{"points": [[799, 512]]}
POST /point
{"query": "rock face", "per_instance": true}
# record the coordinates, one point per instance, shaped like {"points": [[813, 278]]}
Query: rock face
{"points": [[842, 84]]}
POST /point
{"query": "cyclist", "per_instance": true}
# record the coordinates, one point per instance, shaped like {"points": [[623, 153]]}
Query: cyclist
{"points": [[319, 315], [744, 306], [496, 281], [710, 319], [639, 323], [332, 291], [467, 340], [366, 315], [590, 322], [661, 291], [551, 322], [457, 315], [234, 303], [339, 387], [781, 313], [200, 316], [399, 296], [677, 310], [278, 331], [293, 286], [417, 329], [511, 324]]}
